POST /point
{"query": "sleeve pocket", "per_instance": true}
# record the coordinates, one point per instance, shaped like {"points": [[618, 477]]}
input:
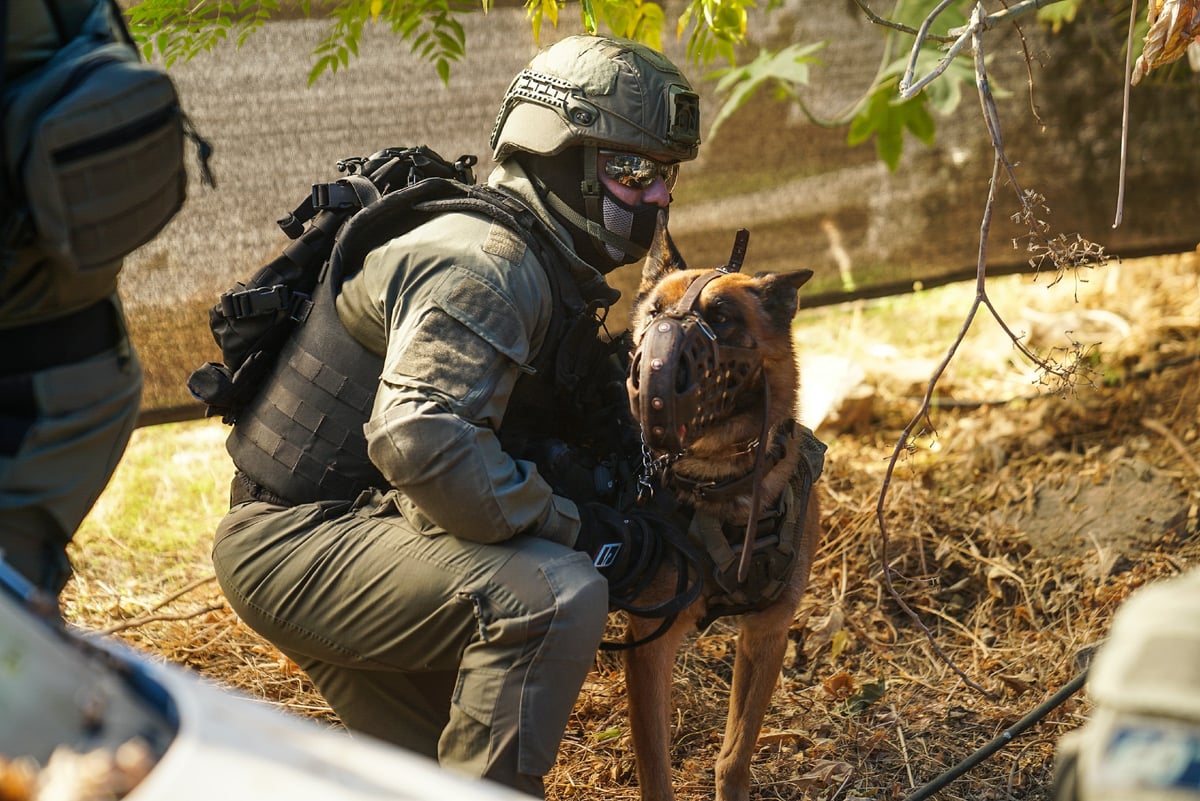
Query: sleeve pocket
{"points": [[490, 315], [448, 357]]}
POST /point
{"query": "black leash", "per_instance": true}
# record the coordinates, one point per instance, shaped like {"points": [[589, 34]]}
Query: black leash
{"points": [[1001, 740], [687, 569]]}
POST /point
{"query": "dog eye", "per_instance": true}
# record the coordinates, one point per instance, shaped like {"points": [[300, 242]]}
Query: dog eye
{"points": [[721, 314]]}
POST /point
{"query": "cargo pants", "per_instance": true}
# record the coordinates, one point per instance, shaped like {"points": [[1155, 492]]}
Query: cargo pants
{"points": [[469, 653], [63, 429]]}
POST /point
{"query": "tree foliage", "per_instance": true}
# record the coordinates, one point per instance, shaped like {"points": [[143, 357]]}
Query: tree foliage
{"points": [[716, 32]]}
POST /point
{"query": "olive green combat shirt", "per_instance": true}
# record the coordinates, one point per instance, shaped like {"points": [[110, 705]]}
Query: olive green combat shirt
{"points": [[459, 308]]}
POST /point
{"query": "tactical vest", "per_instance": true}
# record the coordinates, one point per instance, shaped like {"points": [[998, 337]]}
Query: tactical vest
{"points": [[301, 439]]}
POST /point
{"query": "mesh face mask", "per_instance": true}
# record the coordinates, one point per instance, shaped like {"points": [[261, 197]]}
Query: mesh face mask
{"points": [[635, 223]]}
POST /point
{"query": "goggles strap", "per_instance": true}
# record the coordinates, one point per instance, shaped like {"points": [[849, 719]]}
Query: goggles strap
{"points": [[590, 186]]}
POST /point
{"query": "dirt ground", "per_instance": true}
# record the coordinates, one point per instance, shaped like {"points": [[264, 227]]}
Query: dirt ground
{"points": [[1018, 515]]}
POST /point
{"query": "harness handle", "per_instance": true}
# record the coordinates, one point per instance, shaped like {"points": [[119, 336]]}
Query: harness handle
{"points": [[740, 240]]}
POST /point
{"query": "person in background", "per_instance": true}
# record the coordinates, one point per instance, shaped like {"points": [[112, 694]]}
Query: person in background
{"points": [[70, 379], [1141, 741]]}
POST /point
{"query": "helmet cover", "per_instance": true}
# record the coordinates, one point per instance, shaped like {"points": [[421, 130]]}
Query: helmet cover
{"points": [[599, 91]]}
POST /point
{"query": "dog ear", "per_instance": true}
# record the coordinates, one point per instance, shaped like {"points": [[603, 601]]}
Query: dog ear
{"points": [[778, 293], [663, 259]]}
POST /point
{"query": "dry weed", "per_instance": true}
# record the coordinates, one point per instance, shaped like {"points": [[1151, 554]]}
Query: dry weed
{"points": [[1016, 570]]}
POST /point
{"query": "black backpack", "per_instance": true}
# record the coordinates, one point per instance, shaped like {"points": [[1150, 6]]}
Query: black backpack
{"points": [[253, 319]]}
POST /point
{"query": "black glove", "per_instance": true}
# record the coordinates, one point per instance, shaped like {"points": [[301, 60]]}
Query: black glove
{"points": [[572, 472], [625, 546]]}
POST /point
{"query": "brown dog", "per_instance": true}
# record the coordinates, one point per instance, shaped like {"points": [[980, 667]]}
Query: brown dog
{"points": [[713, 385]]}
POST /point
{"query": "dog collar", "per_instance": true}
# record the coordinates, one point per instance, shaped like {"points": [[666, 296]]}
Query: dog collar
{"points": [[709, 490]]}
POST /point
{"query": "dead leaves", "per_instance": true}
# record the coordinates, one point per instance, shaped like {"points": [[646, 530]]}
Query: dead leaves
{"points": [[1174, 26], [853, 697], [825, 773], [99, 775]]}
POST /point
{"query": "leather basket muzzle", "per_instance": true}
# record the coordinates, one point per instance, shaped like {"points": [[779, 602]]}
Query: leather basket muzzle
{"points": [[681, 379]]}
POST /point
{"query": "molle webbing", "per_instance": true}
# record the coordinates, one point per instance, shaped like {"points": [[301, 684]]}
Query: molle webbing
{"points": [[781, 538], [302, 437]]}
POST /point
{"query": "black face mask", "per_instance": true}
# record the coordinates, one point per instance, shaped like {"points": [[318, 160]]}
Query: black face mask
{"points": [[559, 178]]}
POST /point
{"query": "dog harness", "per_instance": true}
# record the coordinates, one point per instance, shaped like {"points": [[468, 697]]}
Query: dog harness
{"points": [[779, 537]]}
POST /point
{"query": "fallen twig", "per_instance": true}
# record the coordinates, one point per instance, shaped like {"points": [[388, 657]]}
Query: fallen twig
{"points": [[141, 621], [148, 618], [1173, 441]]}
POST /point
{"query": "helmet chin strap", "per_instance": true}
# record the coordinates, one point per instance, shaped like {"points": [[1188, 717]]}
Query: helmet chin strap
{"points": [[592, 191]]}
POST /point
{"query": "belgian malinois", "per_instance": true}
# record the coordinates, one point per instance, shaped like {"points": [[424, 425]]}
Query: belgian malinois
{"points": [[713, 384]]}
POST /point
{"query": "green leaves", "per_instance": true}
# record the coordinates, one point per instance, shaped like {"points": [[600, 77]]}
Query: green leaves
{"points": [[1058, 15], [783, 70], [717, 25], [537, 10], [883, 115], [430, 27], [714, 30], [643, 22], [180, 30], [886, 117]]}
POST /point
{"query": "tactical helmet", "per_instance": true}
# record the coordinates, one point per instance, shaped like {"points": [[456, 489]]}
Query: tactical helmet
{"points": [[583, 95], [599, 91]]}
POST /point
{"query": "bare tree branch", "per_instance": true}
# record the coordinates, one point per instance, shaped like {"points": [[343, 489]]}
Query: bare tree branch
{"points": [[897, 26], [926, 402], [1060, 251], [908, 89], [1125, 114], [1029, 59], [979, 23]]}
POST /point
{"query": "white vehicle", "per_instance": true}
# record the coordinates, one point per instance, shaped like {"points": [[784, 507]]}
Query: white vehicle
{"points": [[86, 695]]}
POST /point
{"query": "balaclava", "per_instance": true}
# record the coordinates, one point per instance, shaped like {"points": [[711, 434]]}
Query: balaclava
{"points": [[584, 205]]}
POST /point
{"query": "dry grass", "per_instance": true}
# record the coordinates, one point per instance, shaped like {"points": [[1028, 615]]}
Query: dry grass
{"points": [[1016, 529]]}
